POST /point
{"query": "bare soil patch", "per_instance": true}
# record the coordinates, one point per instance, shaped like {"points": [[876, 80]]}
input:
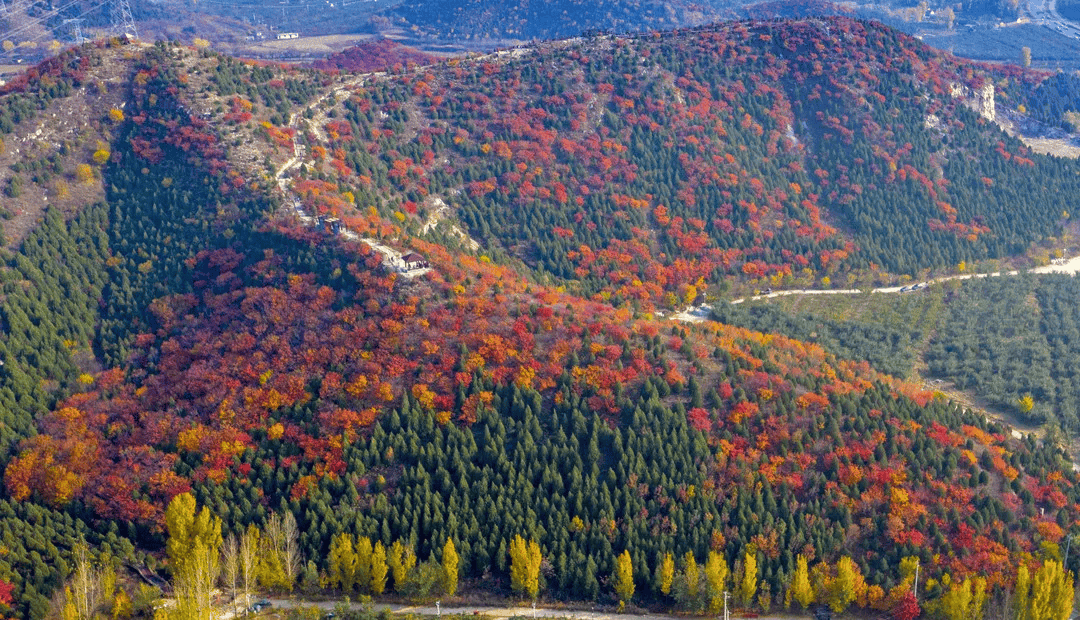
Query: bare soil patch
{"points": [[1037, 136]]}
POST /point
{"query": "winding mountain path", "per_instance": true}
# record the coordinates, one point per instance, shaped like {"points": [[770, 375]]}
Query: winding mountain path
{"points": [[392, 257]]}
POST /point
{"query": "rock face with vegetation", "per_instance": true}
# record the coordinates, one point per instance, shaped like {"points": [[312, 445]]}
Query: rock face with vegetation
{"points": [[190, 368]]}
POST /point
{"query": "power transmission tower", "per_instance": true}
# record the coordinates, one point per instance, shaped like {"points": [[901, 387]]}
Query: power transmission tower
{"points": [[122, 21], [76, 29]]}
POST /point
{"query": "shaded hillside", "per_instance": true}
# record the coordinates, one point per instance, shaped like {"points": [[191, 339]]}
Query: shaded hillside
{"points": [[1055, 101], [76, 288]]}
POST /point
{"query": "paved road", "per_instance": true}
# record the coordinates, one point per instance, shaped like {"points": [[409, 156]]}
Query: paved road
{"points": [[489, 613], [1045, 12], [695, 314]]}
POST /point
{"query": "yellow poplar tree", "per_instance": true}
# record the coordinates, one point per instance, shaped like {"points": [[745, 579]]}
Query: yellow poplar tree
{"points": [[693, 576], [194, 548], [748, 586], [69, 612], [800, 583], [716, 576], [955, 602], [1022, 592], [121, 607], [402, 560], [1051, 593], [843, 590], [624, 578], [379, 568], [450, 567], [666, 573], [979, 598], [363, 563], [525, 567], [342, 560]]}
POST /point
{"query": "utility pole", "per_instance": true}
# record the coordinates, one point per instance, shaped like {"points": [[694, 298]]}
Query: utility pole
{"points": [[917, 580], [1068, 543]]}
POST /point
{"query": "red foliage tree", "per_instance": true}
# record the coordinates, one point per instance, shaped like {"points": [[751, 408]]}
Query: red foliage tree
{"points": [[907, 608]]}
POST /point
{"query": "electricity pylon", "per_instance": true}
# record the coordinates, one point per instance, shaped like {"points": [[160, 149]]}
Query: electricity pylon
{"points": [[123, 23]]}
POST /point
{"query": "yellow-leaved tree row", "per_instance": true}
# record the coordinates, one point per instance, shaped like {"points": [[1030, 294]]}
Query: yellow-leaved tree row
{"points": [[199, 559], [1048, 595], [194, 551], [354, 563]]}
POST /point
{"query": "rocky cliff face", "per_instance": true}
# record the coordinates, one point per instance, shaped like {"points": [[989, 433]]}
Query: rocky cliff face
{"points": [[981, 100]]}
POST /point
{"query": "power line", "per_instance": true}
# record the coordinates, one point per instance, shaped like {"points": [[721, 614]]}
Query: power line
{"points": [[36, 21], [50, 32], [122, 22]]}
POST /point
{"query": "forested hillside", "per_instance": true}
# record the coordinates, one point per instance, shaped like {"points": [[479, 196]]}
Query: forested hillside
{"points": [[1012, 342], [1055, 101], [378, 56], [1009, 342], [283, 374], [645, 168]]}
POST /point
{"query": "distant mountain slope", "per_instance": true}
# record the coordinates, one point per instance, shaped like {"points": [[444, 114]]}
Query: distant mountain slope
{"points": [[377, 56], [781, 152], [477, 20], [793, 9], [532, 19]]}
